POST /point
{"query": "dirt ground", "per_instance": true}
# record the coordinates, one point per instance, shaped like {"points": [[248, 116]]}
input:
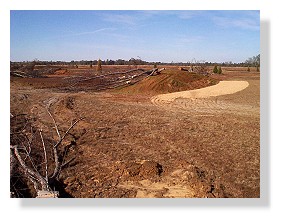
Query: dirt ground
{"points": [[127, 146]]}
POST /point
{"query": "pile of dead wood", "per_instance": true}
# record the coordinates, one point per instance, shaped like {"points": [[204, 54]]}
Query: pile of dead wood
{"points": [[155, 71], [31, 72], [33, 161], [202, 69], [117, 79]]}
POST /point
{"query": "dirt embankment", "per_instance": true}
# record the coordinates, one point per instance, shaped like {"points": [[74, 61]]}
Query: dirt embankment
{"points": [[168, 81]]}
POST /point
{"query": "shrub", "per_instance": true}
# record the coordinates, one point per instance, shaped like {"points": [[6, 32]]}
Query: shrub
{"points": [[215, 70], [248, 69], [220, 70], [99, 66]]}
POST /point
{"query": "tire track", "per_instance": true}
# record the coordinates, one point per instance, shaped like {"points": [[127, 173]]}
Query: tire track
{"points": [[205, 100]]}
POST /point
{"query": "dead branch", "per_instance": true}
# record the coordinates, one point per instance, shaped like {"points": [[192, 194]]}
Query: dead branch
{"points": [[161, 69], [201, 69], [67, 162], [34, 183], [18, 74], [153, 71], [20, 131], [45, 155], [58, 164], [14, 116], [21, 153], [55, 148], [30, 173], [54, 122], [31, 160]]}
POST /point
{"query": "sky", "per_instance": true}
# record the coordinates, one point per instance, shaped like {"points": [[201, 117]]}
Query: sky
{"points": [[165, 36]]}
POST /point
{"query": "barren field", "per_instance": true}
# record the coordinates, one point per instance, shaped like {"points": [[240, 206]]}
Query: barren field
{"points": [[128, 145]]}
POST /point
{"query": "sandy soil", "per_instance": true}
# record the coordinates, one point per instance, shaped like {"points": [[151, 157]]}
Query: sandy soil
{"points": [[222, 88], [206, 100], [126, 146]]}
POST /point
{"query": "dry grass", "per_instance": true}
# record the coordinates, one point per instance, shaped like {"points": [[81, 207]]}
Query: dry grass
{"points": [[200, 153]]}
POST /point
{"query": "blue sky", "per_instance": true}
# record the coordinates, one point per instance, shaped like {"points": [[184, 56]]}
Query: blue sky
{"points": [[179, 36]]}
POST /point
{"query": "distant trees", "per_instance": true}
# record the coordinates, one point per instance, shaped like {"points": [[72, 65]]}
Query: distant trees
{"points": [[120, 62], [253, 62], [31, 66], [136, 62]]}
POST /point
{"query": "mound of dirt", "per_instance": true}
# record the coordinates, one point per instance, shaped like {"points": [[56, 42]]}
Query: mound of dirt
{"points": [[223, 88], [167, 82], [146, 169]]}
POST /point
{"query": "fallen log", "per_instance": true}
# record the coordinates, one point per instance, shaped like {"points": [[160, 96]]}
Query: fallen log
{"points": [[47, 194], [17, 74], [153, 71], [184, 69], [102, 76], [159, 70]]}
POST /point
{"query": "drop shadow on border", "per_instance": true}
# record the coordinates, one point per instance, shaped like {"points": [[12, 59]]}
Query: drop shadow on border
{"points": [[263, 201]]}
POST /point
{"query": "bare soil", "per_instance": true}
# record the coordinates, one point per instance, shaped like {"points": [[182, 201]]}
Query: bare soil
{"points": [[170, 80], [126, 146]]}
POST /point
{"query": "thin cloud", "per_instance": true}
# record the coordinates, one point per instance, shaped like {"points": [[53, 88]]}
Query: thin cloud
{"points": [[243, 23], [184, 40], [181, 14], [120, 37], [83, 33], [138, 17], [191, 39], [91, 32], [119, 18], [188, 14]]}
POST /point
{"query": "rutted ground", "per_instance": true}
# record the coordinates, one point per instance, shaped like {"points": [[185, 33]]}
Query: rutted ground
{"points": [[222, 88], [206, 100], [128, 147]]}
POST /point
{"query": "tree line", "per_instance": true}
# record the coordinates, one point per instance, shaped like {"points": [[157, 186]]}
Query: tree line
{"points": [[250, 62]]}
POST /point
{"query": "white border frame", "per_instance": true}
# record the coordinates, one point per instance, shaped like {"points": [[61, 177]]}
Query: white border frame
{"points": [[269, 206]]}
